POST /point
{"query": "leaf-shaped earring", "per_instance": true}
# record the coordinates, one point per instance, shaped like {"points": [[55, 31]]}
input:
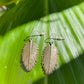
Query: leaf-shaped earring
{"points": [[30, 53], [50, 57]]}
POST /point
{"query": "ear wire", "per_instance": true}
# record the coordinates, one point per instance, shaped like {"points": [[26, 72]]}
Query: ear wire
{"points": [[27, 38], [30, 37], [53, 39]]}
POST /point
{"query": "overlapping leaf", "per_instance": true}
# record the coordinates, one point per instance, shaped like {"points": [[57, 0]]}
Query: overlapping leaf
{"points": [[7, 2], [29, 10]]}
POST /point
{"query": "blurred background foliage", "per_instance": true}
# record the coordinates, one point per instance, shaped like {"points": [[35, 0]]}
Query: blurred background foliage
{"points": [[7, 2], [20, 19]]}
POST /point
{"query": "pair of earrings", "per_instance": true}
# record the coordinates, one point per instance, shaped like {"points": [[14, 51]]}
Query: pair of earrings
{"points": [[30, 54]]}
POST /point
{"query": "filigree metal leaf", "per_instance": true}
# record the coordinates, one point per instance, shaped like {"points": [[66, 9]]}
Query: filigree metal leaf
{"points": [[50, 59], [30, 55]]}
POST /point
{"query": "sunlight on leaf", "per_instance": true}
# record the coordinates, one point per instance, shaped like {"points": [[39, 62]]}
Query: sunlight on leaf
{"points": [[28, 10], [68, 26]]}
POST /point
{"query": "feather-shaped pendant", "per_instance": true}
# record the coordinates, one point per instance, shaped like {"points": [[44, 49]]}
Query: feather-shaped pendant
{"points": [[30, 55], [50, 59]]}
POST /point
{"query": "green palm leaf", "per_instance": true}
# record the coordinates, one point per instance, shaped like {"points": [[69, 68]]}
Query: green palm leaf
{"points": [[23, 13], [69, 25]]}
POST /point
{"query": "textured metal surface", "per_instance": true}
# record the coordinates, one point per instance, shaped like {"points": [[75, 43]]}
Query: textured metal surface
{"points": [[30, 55], [50, 58]]}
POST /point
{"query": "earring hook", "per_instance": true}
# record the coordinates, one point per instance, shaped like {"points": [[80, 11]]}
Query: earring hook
{"points": [[30, 36], [53, 39]]}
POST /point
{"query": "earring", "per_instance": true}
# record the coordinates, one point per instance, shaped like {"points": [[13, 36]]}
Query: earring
{"points": [[30, 53], [50, 56]]}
